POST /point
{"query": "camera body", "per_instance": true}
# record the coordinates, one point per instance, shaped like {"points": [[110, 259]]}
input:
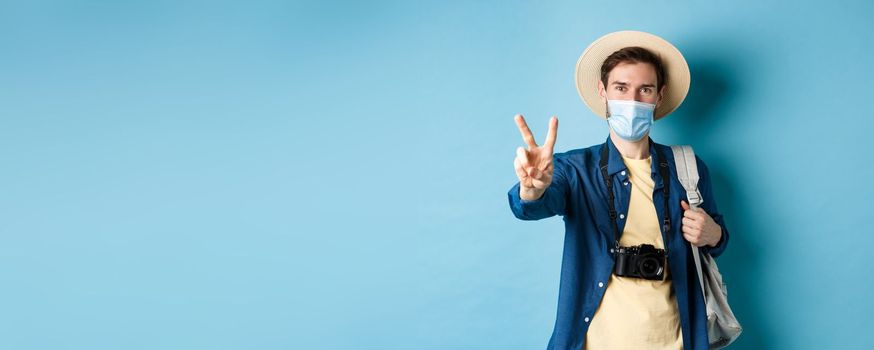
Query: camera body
{"points": [[643, 261]]}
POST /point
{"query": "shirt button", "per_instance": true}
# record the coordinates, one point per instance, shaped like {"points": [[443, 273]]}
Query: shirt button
{"points": [[625, 183], [586, 319], [622, 216], [600, 284], [623, 173]]}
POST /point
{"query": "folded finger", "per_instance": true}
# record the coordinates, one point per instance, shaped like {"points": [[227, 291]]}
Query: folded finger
{"points": [[692, 214], [522, 156], [520, 172], [691, 223]]}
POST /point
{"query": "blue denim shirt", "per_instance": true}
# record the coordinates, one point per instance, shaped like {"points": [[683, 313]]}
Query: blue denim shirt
{"points": [[578, 194]]}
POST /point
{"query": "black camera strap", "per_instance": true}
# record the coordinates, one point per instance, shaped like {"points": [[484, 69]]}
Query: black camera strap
{"points": [[608, 180]]}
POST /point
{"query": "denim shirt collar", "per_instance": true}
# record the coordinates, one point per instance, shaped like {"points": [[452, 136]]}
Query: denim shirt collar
{"points": [[615, 163]]}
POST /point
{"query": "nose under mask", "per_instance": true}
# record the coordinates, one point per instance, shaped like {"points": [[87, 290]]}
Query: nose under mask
{"points": [[630, 120]]}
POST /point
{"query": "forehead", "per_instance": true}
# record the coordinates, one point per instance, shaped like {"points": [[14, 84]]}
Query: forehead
{"points": [[639, 73]]}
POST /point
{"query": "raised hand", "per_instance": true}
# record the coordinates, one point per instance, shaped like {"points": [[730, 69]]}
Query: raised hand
{"points": [[534, 165]]}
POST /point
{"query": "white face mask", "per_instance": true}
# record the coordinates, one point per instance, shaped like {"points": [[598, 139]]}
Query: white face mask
{"points": [[630, 120]]}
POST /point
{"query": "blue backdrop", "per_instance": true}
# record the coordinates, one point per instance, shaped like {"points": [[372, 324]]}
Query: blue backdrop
{"points": [[331, 175]]}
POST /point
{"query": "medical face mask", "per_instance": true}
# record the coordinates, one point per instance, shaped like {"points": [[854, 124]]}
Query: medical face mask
{"points": [[630, 120]]}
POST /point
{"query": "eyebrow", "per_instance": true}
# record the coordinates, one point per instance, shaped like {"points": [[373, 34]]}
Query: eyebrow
{"points": [[622, 83]]}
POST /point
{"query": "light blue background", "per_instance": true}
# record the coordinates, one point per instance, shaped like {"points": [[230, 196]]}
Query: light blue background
{"points": [[331, 175]]}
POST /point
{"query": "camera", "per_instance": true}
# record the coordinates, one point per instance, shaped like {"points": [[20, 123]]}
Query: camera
{"points": [[643, 261]]}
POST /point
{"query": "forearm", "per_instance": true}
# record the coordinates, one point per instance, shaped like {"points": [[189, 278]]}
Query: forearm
{"points": [[548, 203]]}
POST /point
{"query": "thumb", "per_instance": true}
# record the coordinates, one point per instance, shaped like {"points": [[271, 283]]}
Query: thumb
{"points": [[684, 205]]}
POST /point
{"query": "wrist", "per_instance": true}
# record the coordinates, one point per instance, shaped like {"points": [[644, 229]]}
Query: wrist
{"points": [[717, 236], [530, 193]]}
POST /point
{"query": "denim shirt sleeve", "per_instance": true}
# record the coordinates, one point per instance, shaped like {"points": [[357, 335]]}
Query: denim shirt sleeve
{"points": [[552, 202], [709, 206]]}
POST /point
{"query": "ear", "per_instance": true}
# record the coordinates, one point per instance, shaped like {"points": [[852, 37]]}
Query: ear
{"points": [[602, 91], [661, 95]]}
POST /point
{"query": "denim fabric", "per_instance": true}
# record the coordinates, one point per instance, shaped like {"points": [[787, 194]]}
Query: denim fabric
{"points": [[578, 194]]}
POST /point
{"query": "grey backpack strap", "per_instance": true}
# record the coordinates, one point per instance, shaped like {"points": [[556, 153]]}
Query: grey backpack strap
{"points": [[687, 173]]}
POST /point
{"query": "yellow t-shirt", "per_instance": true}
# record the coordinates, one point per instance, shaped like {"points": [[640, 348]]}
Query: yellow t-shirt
{"points": [[636, 313]]}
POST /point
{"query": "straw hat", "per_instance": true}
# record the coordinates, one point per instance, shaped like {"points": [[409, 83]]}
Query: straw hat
{"points": [[588, 71]]}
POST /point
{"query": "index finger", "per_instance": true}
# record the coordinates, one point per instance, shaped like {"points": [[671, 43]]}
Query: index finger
{"points": [[525, 131], [694, 213]]}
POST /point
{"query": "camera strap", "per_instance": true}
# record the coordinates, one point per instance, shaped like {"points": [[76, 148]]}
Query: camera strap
{"points": [[608, 180]]}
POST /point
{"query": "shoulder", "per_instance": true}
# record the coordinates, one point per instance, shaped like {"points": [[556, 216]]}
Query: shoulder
{"points": [[579, 156], [668, 152], [575, 162]]}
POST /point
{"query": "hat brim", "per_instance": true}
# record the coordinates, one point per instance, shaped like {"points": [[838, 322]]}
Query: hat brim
{"points": [[588, 71]]}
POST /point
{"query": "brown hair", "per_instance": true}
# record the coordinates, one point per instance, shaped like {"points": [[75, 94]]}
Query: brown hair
{"points": [[634, 54]]}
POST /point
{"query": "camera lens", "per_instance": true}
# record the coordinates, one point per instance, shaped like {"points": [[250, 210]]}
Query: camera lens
{"points": [[649, 267]]}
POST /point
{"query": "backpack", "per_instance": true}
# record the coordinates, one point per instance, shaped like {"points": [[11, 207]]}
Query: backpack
{"points": [[722, 327]]}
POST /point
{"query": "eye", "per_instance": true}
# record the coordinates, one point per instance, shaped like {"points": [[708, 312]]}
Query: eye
{"points": [[620, 88], [647, 90]]}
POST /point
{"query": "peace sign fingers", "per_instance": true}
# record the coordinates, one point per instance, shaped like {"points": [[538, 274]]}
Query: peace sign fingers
{"points": [[525, 131], [551, 134], [534, 165], [529, 138]]}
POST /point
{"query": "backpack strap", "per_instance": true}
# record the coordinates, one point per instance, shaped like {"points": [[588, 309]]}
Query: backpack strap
{"points": [[687, 173]]}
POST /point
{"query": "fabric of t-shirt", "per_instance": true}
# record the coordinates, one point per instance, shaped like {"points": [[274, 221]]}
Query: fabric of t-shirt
{"points": [[637, 313]]}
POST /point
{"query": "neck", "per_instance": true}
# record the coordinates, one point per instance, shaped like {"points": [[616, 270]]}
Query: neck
{"points": [[634, 150]]}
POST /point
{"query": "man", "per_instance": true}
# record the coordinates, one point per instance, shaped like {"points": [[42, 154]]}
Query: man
{"points": [[628, 280]]}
